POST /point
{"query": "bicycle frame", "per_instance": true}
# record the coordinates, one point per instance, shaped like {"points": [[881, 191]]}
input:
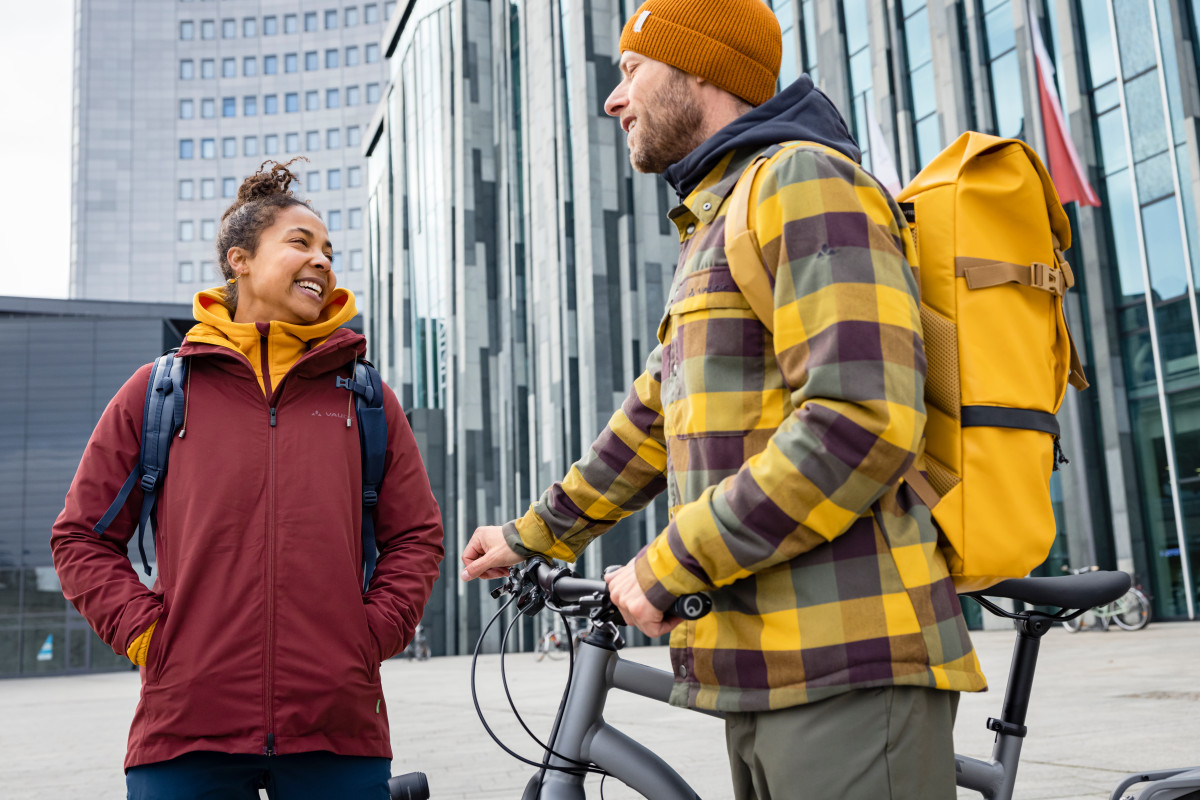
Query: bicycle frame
{"points": [[583, 735]]}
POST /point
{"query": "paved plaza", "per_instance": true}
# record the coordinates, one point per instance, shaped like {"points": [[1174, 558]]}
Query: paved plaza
{"points": [[1104, 704]]}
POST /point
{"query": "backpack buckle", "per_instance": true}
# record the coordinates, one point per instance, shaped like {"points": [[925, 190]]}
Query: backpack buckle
{"points": [[148, 482], [1045, 277], [370, 498]]}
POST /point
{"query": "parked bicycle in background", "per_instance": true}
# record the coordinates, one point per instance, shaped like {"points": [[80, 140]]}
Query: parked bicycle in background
{"points": [[1130, 611]]}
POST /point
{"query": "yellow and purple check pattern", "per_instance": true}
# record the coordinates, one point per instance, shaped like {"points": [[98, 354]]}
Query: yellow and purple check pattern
{"points": [[781, 456]]}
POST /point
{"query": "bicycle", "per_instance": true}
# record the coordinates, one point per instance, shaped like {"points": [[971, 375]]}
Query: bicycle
{"points": [[554, 642], [581, 743], [418, 648], [1131, 611]]}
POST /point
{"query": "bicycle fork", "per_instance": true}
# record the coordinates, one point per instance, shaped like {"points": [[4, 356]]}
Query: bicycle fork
{"points": [[994, 779]]}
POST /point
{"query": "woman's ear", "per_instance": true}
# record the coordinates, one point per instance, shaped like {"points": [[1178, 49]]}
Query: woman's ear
{"points": [[237, 258]]}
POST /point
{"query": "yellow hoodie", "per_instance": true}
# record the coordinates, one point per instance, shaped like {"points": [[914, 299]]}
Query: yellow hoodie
{"points": [[285, 342]]}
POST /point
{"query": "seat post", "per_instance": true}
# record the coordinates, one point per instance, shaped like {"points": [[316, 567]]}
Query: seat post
{"points": [[1030, 631]]}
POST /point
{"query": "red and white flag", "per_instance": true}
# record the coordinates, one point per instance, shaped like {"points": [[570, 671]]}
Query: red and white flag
{"points": [[1061, 157]]}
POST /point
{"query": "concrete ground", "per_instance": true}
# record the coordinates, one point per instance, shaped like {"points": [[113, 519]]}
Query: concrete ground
{"points": [[1104, 704]]}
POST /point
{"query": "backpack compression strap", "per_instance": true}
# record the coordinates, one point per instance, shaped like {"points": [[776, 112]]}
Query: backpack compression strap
{"points": [[162, 416], [372, 437]]}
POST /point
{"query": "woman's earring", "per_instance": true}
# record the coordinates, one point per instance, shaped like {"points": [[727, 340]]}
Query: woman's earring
{"points": [[232, 280]]}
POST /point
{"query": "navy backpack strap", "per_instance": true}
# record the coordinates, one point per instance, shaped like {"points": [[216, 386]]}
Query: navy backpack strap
{"points": [[163, 414], [372, 437]]}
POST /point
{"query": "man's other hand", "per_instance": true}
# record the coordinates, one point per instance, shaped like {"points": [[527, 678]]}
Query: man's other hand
{"points": [[627, 595], [487, 555]]}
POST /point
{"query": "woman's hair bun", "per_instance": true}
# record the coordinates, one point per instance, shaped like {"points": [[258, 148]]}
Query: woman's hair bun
{"points": [[272, 178]]}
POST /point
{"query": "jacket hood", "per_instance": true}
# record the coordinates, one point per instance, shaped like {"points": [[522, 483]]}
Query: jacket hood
{"points": [[270, 347], [801, 112]]}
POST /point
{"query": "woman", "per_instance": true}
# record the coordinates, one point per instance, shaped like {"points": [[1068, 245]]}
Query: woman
{"points": [[259, 650]]}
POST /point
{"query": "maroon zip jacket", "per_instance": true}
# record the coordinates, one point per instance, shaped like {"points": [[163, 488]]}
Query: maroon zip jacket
{"points": [[265, 642]]}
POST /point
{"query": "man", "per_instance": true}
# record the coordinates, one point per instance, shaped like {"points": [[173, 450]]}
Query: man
{"points": [[836, 645]]}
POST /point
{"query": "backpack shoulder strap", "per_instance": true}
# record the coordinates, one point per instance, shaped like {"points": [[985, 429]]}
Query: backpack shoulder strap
{"points": [[162, 416], [367, 386]]}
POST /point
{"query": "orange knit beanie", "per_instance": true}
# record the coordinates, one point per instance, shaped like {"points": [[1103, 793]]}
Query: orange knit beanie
{"points": [[734, 44]]}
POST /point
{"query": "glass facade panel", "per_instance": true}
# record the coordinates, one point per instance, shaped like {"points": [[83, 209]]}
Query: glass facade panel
{"points": [[1164, 250], [1111, 131], [924, 92], [1008, 100], [1125, 242], [1154, 179], [1143, 101], [999, 26], [1134, 37]]}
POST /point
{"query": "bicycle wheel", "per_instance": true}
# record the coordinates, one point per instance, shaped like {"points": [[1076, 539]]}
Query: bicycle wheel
{"points": [[554, 648], [1132, 611], [1073, 625]]}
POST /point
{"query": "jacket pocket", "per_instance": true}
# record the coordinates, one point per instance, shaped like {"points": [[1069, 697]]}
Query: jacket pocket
{"points": [[156, 654]]}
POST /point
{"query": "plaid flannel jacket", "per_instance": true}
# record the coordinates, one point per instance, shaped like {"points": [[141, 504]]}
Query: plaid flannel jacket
{"points": [[781, 455]]}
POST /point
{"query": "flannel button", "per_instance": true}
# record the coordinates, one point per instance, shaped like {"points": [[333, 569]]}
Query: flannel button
{"points": [[691, 228], [707, 206], [683, 670]]}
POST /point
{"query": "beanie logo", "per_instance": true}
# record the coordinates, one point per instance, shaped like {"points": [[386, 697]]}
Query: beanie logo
{"points": [[641, 20]]}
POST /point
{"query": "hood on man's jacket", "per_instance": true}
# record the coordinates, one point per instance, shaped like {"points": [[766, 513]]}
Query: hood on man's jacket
{"points": [[801, 112]]}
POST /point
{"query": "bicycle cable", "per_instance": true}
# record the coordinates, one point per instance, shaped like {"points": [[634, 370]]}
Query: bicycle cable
{"points": [[479, 710]]}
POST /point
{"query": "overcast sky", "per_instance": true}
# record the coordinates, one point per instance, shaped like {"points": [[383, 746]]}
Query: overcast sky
{"points": [[36, 53]]}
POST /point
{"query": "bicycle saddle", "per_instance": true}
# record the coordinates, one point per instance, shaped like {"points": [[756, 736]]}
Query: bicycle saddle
{"points": [[1086, 590]]}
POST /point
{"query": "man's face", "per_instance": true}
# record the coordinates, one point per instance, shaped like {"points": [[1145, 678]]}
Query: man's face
{"points": [[659, 112]]}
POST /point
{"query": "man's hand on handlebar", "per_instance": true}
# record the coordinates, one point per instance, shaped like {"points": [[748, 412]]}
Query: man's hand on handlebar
{"points": [[488, 555], [627, 595]]}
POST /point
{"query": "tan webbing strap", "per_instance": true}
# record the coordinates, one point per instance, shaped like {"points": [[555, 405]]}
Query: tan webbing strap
{"points": [[1076, 378], [743, 251], [982, 273], [921, 486]]}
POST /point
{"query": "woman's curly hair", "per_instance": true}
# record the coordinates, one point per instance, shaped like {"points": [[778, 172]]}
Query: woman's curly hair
{"points": [[259, 200]]}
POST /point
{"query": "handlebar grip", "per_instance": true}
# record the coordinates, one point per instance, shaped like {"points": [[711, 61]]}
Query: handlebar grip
{"points": [[691, 606]]}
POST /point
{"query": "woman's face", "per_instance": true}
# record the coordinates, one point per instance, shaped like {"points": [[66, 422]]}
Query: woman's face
{"points": [[289, 278]]}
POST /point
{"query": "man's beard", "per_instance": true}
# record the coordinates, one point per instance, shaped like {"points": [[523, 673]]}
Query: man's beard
{"points": [[668, 128]]}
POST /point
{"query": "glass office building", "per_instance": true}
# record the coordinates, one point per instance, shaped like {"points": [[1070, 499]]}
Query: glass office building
{"points": [[516, 264]]}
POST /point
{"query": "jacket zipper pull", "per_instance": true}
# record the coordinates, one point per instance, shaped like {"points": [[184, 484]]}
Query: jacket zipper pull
{"points": [[272, 417], [270, 751]]}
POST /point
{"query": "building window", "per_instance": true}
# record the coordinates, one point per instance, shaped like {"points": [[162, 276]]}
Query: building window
{"points": [[312, 181], [250, 106], [229, 29], [291, 62], [312, 140], [333, 138], [331, 19], [208, 148], [270, 65], [335, 261], [356, 260], [249, 66], [1008, 102], [229, 147], [187, 30], [331, 59], [289, 23], [185, 269], [310, 61], [270, 26], [208, 29], [335, 218], [187, 109], [333, 180], [291, 102], [208, 68], [370, 13], [228, 106], [354, 219], [312, 100], [372, 92], [353, 180], [228, 67], [208, 108], [310, 21], [187, 69], [388, 8], [187, 190], [271, 104], [352, 95], [208, 189], [332, 98], [187, 231], [228, 187], [207, 272], [208, 230], [250, 146], [353, 136], [291, 143], [371, 53], [187, 148], [351, 16], [271, 144], [249, 27], [351, 56]]}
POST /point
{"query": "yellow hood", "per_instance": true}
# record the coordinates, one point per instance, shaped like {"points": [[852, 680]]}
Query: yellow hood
{"points": [[284, 342]]}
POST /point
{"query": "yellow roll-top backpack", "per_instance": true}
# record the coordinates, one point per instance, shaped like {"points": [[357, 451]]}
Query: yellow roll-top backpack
{"points": [[990, 234]]}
